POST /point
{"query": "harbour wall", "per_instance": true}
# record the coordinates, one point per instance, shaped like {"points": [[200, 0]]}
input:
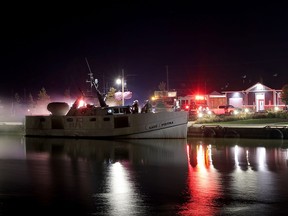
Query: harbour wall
{"points": [[217, 131]]}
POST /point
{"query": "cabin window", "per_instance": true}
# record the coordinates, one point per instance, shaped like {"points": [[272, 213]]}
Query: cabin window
{"points": [[42, 119], [70, 120], [106, 119], [93, 119], [79, 120], [121, 122]]}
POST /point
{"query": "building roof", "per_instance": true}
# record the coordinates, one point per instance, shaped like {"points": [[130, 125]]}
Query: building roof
{"points": [[256, 87]]}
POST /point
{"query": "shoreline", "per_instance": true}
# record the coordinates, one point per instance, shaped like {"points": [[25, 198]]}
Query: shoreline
{"points": [[9, 128]]}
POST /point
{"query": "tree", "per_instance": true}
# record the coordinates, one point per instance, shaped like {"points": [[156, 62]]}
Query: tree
{"points": [[31, 101], [42, 102], [110, 98], [67, 94], [284, 94], [17, 98], [43, 96], [111, 93], [162, 86]]}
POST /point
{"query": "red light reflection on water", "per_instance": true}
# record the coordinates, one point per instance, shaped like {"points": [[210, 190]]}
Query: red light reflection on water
{"points": [[202, 182]]}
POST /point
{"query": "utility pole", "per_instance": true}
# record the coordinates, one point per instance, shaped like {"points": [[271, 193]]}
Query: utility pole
{"points": [[122, 83], [167, 75]]}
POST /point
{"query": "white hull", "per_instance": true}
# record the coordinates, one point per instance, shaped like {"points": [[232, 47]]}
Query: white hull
{"points": [[162, 125]]}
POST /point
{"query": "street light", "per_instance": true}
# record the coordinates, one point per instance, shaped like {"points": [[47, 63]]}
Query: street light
{"points": [[121, 81]]}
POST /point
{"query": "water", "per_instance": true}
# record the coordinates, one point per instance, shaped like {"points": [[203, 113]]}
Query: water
{"points": [[198, 176]]}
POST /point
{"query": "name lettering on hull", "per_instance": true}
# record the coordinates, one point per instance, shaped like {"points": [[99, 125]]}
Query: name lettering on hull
{"points": [[167, 123], [159, 125], [150, 127]]}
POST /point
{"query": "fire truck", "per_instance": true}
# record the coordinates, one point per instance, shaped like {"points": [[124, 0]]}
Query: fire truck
{"points": [[163, 100], [193, 104]]}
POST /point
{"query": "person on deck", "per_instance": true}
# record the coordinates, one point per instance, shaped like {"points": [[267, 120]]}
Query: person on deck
{"points": [[147, 107], [135, 107]]}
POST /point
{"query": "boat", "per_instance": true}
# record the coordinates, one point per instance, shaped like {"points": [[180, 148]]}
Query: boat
{"points": [[85, 120]]}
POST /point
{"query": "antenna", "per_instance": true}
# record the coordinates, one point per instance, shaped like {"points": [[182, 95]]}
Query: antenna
{"points": [[90, 74]]}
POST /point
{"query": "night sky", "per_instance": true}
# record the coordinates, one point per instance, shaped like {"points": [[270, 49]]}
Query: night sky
{"points": [[204, 47]]}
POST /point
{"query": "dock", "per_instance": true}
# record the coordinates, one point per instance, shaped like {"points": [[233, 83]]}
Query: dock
{"points": [[239, 131]]}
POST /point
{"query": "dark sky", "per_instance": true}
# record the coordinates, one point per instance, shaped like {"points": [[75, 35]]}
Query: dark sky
{"points": [[206, 47]]}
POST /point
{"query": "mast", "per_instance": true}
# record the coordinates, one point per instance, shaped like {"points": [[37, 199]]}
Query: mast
{"points": [[90, 74], [94, 82]]}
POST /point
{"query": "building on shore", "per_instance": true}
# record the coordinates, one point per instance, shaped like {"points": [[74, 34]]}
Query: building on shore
{"points": [[258, 98]]}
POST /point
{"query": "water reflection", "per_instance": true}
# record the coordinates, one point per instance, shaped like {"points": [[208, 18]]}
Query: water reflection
{"points": [[202, 181], [198, 176], [12, 147], [241, 174], [121, 176]]}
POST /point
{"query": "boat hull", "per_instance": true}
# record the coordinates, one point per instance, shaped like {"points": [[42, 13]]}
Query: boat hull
{"points": [[135, 126]]}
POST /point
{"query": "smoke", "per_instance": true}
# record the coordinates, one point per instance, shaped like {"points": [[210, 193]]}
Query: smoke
{"points": [[13, 111]]}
